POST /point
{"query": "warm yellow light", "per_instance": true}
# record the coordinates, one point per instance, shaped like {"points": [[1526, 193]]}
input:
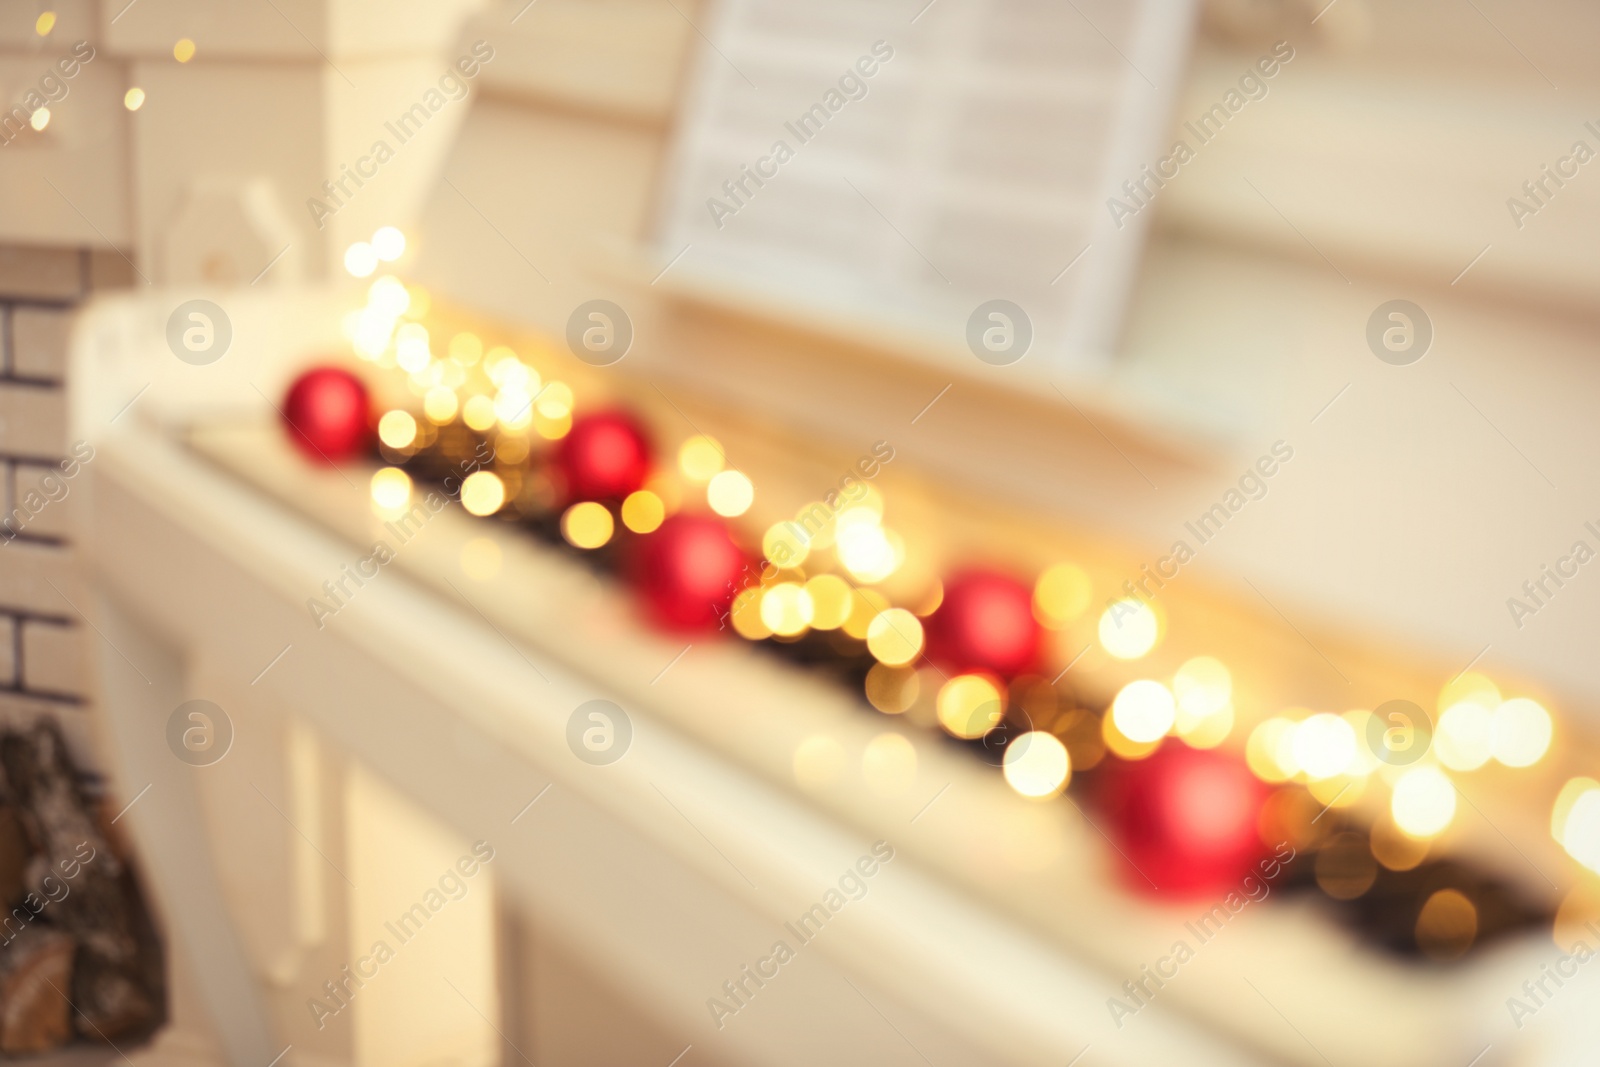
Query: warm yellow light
{"points": [[506, 370], [1037, 764], [552, 429], [1339, 791], [1202, 687], [1424, 801], [1471, 687], [372, 332], [440, 404], [1062, 593], [858, 516], [483, 493], [818, 762], [388, 295], [1519, 732], [1447, 925], [815, 522], [730, 493], [397, 429], [1575, 821], [1144, 710], [1366, 761], [643, 511], [895, 637], [554, 400], [889, 764], [700, 458], [40, 118], [421, 301], [746, 614], [865, 549], [133, 99], [865, 604], [466, 349], [388, 244], [1462, 740], [1324, 745], [411, 348], [1121, 745], [44, 23], [969, 706], [183, 50], [513, 407], [391, 488], [1129, 629], [360, 260], [830, 601], [1208, 732], [587, 525], [1270, 750], [478, 412], [786, 609], [892, 690], [786, 544]]}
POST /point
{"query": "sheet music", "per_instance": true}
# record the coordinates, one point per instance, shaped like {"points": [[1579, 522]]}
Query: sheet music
{"points": [[839, 156]]}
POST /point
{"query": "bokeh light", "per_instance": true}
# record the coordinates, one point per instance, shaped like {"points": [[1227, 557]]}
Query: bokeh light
{"points": [[830, 601], [895, 637], [1323, 745], [969, 706], [730, 493], [1062, 593], [1270, 750], [700, 458], [360, 260], [391, 488], [397, 429], [1423, 802], [1447, 925], [1036, 764], [786, 609], [1129, 629], [643, 511], [483, 493], [587, 524], [1144, 711], [1519, 732], [388, 243], [1575, 821], [1462, 740]]}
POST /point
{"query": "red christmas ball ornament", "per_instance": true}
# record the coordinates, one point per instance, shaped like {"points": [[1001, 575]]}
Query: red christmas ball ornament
{"points": [[984, 623], [1186, 820], [328, 414], [604, 456], [688, 571]]}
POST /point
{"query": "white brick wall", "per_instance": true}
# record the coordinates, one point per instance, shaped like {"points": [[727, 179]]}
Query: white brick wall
{"points": [[44, 644], [39, 342], [54, 657]]}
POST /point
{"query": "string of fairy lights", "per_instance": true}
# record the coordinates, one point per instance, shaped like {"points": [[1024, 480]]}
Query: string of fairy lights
{"points": [[833, 592]]}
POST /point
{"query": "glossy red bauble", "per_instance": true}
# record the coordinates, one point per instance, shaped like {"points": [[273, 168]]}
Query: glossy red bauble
{"points": [[328, 414], [1187, 820], [605, 456], [984, 623], [687, 572]]}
